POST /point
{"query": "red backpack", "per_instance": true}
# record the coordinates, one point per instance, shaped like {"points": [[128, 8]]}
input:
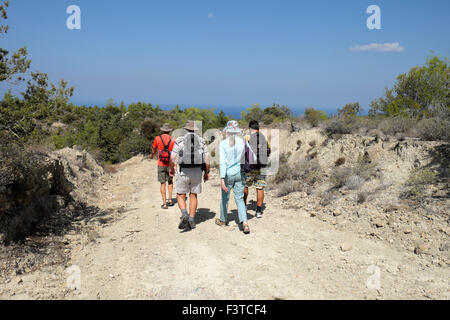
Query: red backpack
{"points": [[164, 154]]}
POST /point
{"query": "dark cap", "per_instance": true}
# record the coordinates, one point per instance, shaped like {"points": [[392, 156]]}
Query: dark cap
{"points": [[254, 125]]}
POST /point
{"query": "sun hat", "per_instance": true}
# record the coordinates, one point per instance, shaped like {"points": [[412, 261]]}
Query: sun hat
{"points": [[166, 127], [232, 127], [190, 126]]}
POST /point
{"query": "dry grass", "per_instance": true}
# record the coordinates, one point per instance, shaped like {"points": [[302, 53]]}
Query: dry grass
{"points": [[289, 187], [111, 169], [417, 182], [355, 176]]}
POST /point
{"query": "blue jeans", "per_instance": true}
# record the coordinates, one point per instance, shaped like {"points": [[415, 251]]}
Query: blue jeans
{"points": [[236, 182]]}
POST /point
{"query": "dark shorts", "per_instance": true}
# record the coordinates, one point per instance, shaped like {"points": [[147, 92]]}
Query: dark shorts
{"points": [[163, 175], [255, 178]]}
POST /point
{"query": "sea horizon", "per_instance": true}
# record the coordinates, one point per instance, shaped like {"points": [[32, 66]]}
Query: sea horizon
{"points": [[229, 110]]}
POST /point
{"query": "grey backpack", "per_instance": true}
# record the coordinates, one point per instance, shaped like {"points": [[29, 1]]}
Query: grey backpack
{"points": [[192, 154]]}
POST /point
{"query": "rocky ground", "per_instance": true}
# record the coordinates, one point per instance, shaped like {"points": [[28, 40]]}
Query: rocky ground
{"points": [[318, 242]]}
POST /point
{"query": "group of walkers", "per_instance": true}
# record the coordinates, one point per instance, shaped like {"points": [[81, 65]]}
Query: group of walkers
{"points": [[187, 159]]}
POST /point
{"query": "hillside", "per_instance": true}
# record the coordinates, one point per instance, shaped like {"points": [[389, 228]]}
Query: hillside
{"points": [[317, 239]]}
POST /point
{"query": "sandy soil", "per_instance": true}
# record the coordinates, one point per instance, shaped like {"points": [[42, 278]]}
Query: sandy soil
{"points": [[288, 255]]}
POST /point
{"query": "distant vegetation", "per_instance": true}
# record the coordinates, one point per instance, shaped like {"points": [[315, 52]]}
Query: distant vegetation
{"points": [[417, 106]]}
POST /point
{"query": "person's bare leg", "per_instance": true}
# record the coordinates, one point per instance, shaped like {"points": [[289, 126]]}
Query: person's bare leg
{"points": [[245, 195], [163, 193], [181, 199], [259, 197], [193, 202]]}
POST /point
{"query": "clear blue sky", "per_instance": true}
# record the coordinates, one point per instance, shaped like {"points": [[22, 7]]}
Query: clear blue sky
{"points": [[227, 52]]}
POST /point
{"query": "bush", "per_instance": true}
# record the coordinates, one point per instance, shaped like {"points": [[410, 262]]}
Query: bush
{"points": [[419, 179], [354, 182], [314, 117], [292, 178], [418, 94], [396, 125], [434, 129], [288, 187], [354, 177], [149, 129], [341, 125], [284, 169], [362, 197]]}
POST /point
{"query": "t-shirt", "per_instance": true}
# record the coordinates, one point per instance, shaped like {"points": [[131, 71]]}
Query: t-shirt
{"points": [[179, 146], [158, 145]]}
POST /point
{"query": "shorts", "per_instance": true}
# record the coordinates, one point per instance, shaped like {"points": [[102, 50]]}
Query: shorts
{"points": [[255, 178], [163, 175], [189, 181]]}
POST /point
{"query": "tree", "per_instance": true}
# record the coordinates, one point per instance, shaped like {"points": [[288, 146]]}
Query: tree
{"points": [[276, 113], [11, 67], [253, 113], [350, 109], [421, 93], [222, 119], [314, 117]]}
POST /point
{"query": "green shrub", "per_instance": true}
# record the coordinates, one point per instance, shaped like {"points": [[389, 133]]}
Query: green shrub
{"points": [[314, 117]]}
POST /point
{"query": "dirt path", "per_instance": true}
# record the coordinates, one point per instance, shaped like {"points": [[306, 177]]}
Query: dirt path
{"points": [[141, 254], [288, 254]]}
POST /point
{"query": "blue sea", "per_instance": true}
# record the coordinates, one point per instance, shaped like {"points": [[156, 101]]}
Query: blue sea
{"points": [[231, 111]]}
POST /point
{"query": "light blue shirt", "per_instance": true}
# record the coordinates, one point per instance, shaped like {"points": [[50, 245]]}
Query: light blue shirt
{"points": [[230, 157]]}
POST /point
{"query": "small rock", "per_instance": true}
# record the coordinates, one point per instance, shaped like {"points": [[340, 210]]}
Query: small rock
{"points": [[337, 212], [378, 223], [421, 248], [407, 231], [346, 246], [445, 246]]}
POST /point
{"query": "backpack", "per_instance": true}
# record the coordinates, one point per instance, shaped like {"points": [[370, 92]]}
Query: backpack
{"points": [[191, 156], [248, 161], [262, 148], [164, 154]]}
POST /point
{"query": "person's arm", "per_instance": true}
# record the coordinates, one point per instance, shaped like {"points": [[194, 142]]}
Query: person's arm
{"points": [[207, 162], [223, 167], [154, 149], [173, 160], [172, 164]]}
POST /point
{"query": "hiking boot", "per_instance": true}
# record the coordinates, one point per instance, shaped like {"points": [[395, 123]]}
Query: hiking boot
{"points": [[259, 215], [184, 222], [192, 224]]}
